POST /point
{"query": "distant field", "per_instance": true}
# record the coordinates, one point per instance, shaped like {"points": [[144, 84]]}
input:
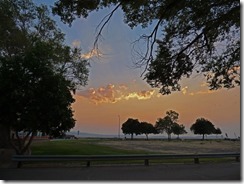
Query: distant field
{"points": [[119, 147], [176, 146], [79, 147], [114, 146]]}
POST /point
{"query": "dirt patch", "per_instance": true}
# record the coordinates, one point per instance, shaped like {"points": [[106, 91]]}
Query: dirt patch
{"points": [[175, 147]]}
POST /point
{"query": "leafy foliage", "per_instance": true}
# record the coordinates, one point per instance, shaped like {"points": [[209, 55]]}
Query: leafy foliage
{"points": [[191, 37], [203, 126], [147, 128], [218, 131], [168, 123], [37, 73], [164, 125], [131, 126], [24, 25], [34, 98], [178, 129]]}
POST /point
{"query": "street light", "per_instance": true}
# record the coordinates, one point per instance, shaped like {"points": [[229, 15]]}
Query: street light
{"points": [[119, 127]]}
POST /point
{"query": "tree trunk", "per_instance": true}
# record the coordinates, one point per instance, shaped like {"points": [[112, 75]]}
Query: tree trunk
{"points": [[22, 144], [203, 137], [19, 165], [25, 148], [147, 136], [28, 139], [4, 137], [131, 136], [169, 137]]}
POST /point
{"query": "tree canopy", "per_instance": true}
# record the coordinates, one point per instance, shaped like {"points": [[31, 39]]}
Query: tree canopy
{"points": [[147, 128], [33, 98], [169, 124], [134, 126], [187, 37], [37, 73], [24, 25], [131, 126], [178, 129], [218, 131], [203, 126], [164, 125]]}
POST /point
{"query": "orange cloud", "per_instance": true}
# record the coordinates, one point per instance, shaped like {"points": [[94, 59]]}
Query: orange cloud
{"points": [[184, 90], [113, 94], [202, 92], [142, 95], [92, 53]]}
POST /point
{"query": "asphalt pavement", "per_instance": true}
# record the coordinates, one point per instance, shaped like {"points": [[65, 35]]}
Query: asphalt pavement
{"points": [[163, 172]]}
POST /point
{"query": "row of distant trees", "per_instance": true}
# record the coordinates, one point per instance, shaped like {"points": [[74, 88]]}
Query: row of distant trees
{"points": [[169, 125]]}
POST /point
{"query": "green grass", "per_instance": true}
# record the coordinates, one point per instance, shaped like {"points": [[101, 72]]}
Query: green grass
{"points": [[77, 147], [92, 147]]}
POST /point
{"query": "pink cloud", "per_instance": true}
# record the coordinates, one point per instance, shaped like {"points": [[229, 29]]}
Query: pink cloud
{"points": [[114, 93]]}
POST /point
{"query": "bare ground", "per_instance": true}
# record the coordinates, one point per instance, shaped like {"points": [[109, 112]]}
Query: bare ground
{"points": [[176, 147]]}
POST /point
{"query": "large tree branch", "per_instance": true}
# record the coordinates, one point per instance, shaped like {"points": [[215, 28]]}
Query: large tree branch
{"points": [[14, 146], [19, 147], [150, 41], [26, 146], [102, 24], [26, 136]]}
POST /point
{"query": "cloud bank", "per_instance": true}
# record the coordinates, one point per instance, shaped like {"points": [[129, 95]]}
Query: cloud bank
{"points": [[114, 93], [91, 54]]}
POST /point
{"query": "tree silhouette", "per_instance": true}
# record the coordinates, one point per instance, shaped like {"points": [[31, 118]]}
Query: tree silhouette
{"points": [[33, 98], [202, 37], [147, 128], [218, 131], [131, 126], [203, 126], [166, 124], [178, 129], [37, 74]]}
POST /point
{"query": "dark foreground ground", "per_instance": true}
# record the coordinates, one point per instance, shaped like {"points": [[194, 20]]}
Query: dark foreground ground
{"points": [[164, 172]]}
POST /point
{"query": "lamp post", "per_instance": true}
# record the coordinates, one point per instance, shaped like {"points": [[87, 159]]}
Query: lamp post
{"points": [[119, 127]]}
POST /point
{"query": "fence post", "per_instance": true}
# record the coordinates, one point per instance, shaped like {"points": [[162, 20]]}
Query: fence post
{"points": [[19, 164], [88, 163], [196, 160], [146, 162], [237, 158]]}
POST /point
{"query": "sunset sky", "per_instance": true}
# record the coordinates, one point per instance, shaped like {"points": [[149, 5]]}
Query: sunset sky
{"points": [[115, 88]]}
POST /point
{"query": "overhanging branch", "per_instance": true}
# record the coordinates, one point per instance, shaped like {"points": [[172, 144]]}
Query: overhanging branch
{"points": [[102, 24]]}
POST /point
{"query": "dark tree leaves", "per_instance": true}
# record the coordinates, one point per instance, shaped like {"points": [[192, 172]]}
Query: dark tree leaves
{"points": [[131, 126], [193, 37], [203, 126], [147, 128], [37, 73], [34, 98]]}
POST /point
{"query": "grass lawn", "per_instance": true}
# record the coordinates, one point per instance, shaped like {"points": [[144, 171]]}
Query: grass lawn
{"points": [[78, 147], [120, 147]]}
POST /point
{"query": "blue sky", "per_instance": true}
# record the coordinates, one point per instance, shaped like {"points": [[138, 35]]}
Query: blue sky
{"points": [[116, 88]]}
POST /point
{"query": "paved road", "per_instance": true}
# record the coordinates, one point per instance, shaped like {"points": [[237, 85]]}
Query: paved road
{"points": [[165, 172]]}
